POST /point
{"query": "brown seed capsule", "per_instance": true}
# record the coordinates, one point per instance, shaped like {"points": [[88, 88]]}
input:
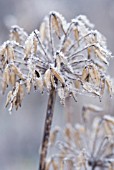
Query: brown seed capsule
{"points": [[9, 95], [28, 46], [17, 71], [109, 118], [76, 34], [10, 52], [85, 73], [6, 79], [15, 36], [55, 24], [12, 78], [57, 75], [47, 79], [109, 85], [43, 31], [53, 136], [100, 56], [35, 45], [28, 85]]}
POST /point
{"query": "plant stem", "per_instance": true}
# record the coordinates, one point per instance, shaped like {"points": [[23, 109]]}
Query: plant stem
{"points": [[68, 111], [47, 128]]}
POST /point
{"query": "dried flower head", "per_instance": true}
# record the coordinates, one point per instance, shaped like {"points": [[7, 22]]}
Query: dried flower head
{"points": [[70, 57], [89, 145]]}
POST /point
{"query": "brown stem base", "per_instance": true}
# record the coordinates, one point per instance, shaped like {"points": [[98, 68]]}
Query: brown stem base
{"points": [[47, 128]]}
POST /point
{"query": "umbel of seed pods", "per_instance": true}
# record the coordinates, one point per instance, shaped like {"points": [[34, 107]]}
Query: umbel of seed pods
{"points": [[67, 58], [87, 145], [71, 57]]}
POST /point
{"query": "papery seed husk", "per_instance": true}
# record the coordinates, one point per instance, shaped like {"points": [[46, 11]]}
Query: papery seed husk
{"points": [[9, 95], [28, 47], [55, 25], [109, 86], [109, 118], [10, 53], [17, 72], [12, 78], [58, 75], [76, 34], [43, 31], [47, 79], [101, 57], [53, 135], [85, 73], [28, 85], [35, 44], [77, 84]]}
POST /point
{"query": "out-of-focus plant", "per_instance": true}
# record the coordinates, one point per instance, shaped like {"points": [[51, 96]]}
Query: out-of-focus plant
{"points": [[89, 145], [67, 58]]}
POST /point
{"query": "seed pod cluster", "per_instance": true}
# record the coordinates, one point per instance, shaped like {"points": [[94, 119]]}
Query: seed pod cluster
{"points": [[71, 57], [87, 145]]}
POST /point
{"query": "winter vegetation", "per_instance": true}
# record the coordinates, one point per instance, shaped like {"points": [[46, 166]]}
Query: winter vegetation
{"points": [[65, 59]]}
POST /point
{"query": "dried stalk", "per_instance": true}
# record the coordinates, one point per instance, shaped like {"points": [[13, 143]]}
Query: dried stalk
{"points": [[47, 128]]}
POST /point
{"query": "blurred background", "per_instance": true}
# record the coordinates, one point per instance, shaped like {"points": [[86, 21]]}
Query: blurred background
{"points": [[21, 132]]}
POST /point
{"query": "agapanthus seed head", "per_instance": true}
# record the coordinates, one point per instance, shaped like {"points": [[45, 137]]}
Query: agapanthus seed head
{"points": [[87, 145], [71, 57]]}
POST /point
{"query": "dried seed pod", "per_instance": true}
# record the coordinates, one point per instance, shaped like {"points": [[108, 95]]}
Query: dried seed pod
{"points": [[54, 165], [48, 164], [109, 118], [89, 89], [53, 135], [85, 73], [43, 31], [47, 79], [91, 74], [77, 84], [58, 75], [35, 45], [55, 24], [53, 83], [14, 35], [68, 132], [9, 96], [76, 34], [28, 85], [2, 50], [21, 93], [100, 56], [97, 75], [12, 78], [6, 79], [14, 97], [89, 53], [102, 86], [10, 53], [107, 128], [28, 46], [109, 85], [17, 72], [18, 34]]}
